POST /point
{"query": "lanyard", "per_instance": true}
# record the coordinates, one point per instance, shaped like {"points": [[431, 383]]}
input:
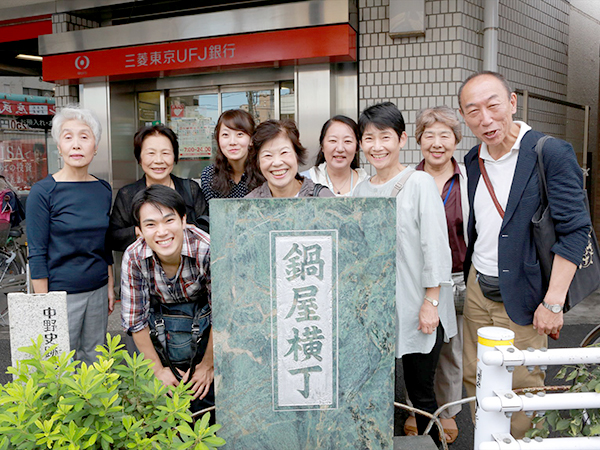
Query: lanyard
{"points": [[449, 190]]}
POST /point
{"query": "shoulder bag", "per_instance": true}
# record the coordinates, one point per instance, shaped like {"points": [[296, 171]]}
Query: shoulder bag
{"points": [[587, 276]]}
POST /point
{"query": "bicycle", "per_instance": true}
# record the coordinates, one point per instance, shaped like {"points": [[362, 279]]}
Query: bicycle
{"points": [[13, 268]]}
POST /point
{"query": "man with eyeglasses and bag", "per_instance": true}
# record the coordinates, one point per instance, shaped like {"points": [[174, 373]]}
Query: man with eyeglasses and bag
{"points": [[506, 286]]}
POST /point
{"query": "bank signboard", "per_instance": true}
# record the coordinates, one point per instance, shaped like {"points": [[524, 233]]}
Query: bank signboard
{"points": [[316, 44]]}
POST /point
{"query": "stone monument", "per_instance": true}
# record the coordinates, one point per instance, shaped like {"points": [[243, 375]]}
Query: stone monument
{"points": [[32, 315], [303, 297]]}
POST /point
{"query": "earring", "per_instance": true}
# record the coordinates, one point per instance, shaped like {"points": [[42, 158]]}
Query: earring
{"points": [[96, 152]]}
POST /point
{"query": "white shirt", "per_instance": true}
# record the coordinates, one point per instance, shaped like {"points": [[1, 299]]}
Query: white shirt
{"points": [[487, 218], [319, 175]]}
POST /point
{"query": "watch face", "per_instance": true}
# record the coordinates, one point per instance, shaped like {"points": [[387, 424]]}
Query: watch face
{"points": [[554, 308]]}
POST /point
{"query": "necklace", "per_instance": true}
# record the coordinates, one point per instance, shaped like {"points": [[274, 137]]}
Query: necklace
{"points": [[339, 190]]}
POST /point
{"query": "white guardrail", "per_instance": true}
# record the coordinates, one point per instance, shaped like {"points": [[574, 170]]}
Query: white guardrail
{"points": [[496, 402]]}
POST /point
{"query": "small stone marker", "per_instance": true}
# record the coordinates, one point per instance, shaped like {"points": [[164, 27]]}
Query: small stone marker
{"points": [[35, 314], [303, 297]]}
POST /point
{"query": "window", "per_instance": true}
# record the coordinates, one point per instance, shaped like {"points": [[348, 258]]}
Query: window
{"points": [[193, 116]]}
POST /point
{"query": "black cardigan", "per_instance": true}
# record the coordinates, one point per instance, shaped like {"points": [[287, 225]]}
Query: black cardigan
{"points": [[121, 230]]}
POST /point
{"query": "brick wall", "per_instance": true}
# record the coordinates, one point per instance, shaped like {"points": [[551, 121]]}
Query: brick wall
{"points": [[426, 71], [532, 54]]}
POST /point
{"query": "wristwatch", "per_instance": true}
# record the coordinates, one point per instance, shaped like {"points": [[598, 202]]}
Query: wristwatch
{"points": [[433, 301], [554, 308]]}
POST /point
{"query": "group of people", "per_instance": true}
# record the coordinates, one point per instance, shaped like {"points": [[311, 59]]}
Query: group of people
{"points": [[452, 219]]}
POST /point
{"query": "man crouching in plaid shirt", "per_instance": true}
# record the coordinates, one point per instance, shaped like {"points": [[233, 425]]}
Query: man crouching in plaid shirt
{"points": [[165, 293]]}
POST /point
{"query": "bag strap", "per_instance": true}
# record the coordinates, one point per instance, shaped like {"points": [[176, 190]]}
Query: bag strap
{"points": [[402, 181], [318, 188], [199, 344], [541, 170], [158, 337], [488, 183]]}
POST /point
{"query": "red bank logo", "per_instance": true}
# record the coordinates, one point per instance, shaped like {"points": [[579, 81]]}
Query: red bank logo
{"points": [[82, 62]]}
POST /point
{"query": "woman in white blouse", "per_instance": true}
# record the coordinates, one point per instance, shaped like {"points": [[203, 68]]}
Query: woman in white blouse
{"points": [[424, 303], [337, 165]]}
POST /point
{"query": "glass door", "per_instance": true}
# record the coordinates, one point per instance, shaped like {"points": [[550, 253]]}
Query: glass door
{"points": [[193, 115]]}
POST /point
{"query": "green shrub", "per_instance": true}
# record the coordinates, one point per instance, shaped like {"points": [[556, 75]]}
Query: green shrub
{"points": [[54, 404], [574, 422]]}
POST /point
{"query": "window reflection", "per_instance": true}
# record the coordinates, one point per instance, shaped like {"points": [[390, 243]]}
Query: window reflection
{"points": [[260, 104], [194, 117]]}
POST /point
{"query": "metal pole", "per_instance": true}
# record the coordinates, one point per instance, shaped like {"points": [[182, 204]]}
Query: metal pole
{"points": [[491, 21], [530, 402], [490, 379], [503, 442], [586, 133], [512, 356], [525, 105]]}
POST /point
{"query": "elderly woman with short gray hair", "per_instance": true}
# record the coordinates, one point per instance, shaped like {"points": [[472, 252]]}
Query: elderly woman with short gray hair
{"points": [[438, 132], [67, 221]]}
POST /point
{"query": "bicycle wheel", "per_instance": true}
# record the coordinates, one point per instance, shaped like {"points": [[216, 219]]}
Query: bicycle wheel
{"points": [[12, 278], [592, 338]]}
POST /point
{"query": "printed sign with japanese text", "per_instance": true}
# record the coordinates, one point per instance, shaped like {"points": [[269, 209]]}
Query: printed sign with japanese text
{"points": [[16, 108], [335, 42]]}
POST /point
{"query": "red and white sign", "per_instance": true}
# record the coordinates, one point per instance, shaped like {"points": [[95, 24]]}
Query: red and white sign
{"points": [[23, 162], [177, 110], [15, 108], [305, 45]]}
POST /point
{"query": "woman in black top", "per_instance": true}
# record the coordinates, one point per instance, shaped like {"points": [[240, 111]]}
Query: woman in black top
{"points": [[231, 176], [157, 151]]}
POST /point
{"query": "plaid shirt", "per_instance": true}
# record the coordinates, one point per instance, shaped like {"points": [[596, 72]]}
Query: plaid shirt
{"points": [[143, 278]]}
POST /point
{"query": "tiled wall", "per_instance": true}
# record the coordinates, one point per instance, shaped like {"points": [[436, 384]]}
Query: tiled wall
{"points": [[66, 94], [420, 72], [533, 44], [61, 23]]}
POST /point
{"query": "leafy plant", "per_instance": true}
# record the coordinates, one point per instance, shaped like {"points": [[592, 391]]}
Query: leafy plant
{"points": [[574, 422], [54, 404]]}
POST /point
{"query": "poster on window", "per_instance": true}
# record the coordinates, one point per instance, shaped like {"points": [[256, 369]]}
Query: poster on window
{"points": [[195, 136], [23, 162]]}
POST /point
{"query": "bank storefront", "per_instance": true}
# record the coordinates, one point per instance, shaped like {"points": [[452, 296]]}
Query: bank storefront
{"points": [[293, 60]]}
